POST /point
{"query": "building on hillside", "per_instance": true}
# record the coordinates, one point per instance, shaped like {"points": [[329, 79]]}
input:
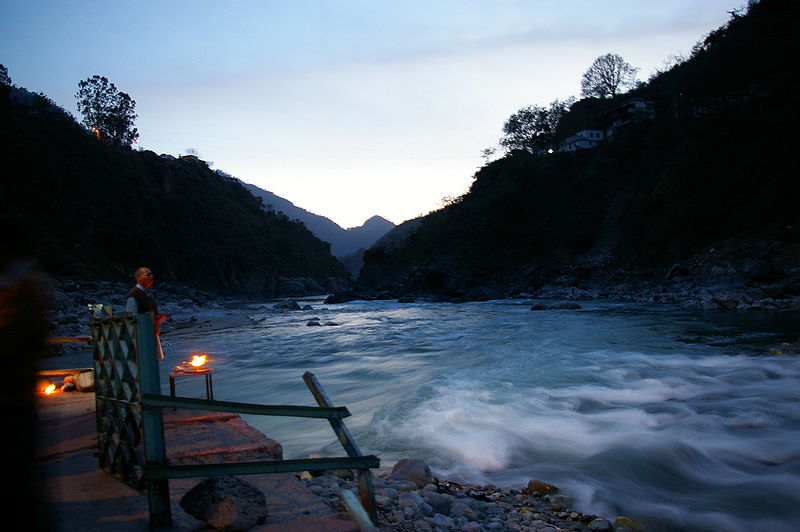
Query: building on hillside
{"points": [[582, 140], [633, 110], [605, 125]]}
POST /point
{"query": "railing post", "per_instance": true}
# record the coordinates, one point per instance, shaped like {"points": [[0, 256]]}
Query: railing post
{"points": [[365, 488], [152, 421]]}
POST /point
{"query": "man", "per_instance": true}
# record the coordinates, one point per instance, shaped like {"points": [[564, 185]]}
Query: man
{"points": [[141, 301]]}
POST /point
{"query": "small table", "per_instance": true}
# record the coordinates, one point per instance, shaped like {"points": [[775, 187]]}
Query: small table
{"points": [[189, 373]]}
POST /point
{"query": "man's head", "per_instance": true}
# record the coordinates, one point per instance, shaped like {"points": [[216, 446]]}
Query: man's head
{"points": [[144, 277]]}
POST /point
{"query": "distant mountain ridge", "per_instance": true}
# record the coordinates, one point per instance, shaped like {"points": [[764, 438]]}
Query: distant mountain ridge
{"points": [[343, 242]]}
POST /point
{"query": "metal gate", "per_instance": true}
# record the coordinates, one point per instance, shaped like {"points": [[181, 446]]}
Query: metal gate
{"points": [[119, 343]]}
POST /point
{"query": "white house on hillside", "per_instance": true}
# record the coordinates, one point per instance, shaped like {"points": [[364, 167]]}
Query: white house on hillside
{"points": [[584, 139], [632, 110]]}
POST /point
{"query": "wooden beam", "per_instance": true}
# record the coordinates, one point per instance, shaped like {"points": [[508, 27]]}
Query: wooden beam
{"points": [[357, 512], [57, 372], [330, 413], [157, 471], [67, 339], [366, 490]]}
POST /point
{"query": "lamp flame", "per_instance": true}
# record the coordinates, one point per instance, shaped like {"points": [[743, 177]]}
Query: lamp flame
{"points": [[50, 389], [198, 360]]}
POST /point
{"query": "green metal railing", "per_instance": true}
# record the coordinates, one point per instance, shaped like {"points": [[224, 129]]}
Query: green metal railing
{"points": [[130, 429]]}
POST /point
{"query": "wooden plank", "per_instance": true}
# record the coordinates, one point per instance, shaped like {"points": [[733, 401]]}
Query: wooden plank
{"points": [[357, 511], [339, 428], [365, 488], [67, 339], [57, 372], [157, 471], [246, 408]]}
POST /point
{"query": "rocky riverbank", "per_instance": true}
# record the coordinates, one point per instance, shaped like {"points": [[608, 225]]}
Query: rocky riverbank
{"points": [[411, 499], [185, 307], [738, 276]]}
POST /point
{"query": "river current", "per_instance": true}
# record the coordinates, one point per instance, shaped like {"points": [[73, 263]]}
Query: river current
{"points": [[676, 418]]}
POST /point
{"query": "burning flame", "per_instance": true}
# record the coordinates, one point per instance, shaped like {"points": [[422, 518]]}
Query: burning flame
{"points": [[50, 389], [198, 360]]}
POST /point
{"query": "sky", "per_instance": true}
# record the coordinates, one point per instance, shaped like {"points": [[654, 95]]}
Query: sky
{"points": [[348, 108]]}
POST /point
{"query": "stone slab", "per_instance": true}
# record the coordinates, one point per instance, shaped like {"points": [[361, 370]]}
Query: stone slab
{"points": [[80, 497]]}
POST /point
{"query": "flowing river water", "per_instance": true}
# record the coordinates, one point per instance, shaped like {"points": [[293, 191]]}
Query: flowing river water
{"points": [[677, 418]]}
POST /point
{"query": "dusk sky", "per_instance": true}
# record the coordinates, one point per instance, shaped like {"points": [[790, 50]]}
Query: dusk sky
{"points": [[350, 108]]}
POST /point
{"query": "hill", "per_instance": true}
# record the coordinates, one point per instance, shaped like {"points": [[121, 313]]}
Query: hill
{"points": [[96, 212], [343, 242], [693, 205]]}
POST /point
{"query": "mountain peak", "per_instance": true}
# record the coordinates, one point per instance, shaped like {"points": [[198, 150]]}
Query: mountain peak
{"points": [[343, 241], [377, 220]]}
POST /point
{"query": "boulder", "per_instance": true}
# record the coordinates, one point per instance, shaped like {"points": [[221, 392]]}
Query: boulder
{"points": [[462, 508], [341, 297], [412, 470], [600, 524], [440, 503], [537, 486], [624, 524], [565, 305], [226, 503], [84, 381], [287, 305]]}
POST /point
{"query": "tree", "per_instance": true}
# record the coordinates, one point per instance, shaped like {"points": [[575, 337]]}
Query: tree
{"points": [[4, 77], [534, 128], [608, 76], [107, 111], [487, 154]]}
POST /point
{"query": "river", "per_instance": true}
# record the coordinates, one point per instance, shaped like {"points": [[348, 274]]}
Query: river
{"points": [[667, 415]]}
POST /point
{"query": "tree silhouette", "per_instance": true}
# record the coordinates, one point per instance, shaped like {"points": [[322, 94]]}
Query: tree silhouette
{"points": [[608, 76], [533, 128], [107, 111], [4, 77]]}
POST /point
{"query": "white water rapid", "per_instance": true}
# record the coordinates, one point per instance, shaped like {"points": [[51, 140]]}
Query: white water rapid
{"points": [[674, 417]]}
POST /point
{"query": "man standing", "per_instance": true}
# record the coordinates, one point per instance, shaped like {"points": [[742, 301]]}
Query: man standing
{"points": [[141, 301]]}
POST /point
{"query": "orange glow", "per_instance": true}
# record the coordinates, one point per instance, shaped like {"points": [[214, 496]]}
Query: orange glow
{"points": [[50, 389], [198, 360]]}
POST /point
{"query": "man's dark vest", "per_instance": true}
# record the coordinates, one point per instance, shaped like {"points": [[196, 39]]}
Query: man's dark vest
{"points": [[144, 303]]}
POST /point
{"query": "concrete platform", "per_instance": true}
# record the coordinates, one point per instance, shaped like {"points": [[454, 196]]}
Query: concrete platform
{"points": [[80, 497]]}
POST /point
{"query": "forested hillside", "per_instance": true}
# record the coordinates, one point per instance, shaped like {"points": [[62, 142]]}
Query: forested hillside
{"points": [[97, 211], [709, 182]]}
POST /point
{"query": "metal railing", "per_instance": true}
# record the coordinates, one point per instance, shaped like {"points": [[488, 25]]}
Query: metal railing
{"points": [[141, 421]]}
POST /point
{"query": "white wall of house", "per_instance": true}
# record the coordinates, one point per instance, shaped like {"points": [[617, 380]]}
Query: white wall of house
{"points": [[584, 139]]}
